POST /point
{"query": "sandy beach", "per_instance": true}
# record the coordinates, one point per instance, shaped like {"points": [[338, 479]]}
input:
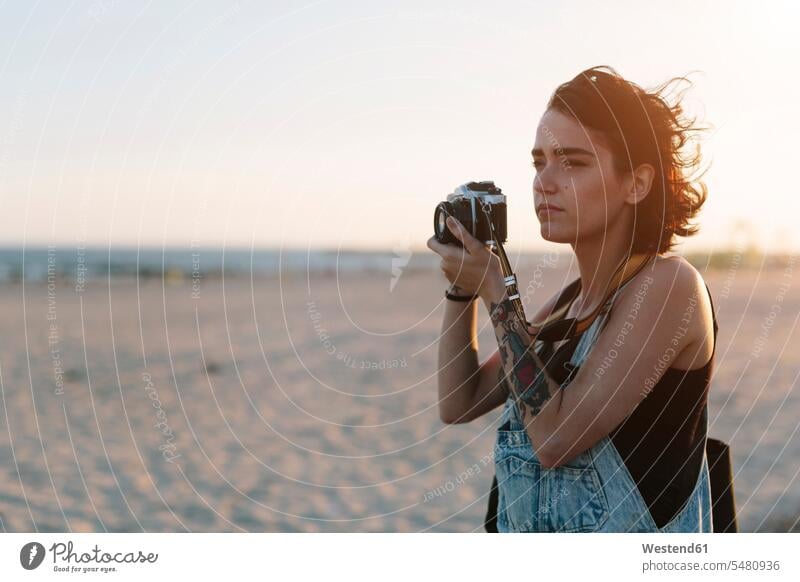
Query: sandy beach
{"points": [[308, 403]]}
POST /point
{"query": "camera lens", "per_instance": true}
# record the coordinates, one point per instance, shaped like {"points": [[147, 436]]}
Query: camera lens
{"points": [[440, 223], [443, 234]]}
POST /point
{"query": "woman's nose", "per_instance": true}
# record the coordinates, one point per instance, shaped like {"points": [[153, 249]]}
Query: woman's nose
{"points": [[543, 184]]}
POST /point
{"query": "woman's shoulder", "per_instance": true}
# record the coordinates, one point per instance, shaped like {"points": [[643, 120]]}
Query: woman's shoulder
{"points": [[682, 289], [675, 272], [676, 279]]}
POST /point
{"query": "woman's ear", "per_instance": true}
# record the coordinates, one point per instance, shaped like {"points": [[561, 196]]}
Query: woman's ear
{"points": [[639, 183]]}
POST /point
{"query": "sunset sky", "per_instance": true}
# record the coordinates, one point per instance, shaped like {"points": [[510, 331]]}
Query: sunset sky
{"points": [[342, 124]]}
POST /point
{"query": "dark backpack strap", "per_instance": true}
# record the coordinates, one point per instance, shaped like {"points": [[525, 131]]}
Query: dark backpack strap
{"points": [[490, 521], [723, 502]]}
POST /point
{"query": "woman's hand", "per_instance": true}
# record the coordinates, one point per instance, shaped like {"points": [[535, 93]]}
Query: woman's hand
{"points": [[474, 268]]}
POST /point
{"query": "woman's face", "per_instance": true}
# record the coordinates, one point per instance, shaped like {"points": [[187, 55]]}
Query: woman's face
{"points": [[574, 174]]}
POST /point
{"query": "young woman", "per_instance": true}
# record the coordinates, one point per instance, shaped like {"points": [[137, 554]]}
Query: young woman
{"points": [[619, 444]]}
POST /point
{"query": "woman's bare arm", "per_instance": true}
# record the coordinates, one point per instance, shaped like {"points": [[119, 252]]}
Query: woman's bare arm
{"points": [[458, 360], [490, 392]]}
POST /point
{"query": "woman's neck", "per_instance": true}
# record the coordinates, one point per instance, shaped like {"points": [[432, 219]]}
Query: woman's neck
{"points": [[597, 262]]}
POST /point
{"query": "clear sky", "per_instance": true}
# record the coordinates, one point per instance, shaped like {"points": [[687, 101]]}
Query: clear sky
{"points": [[343, 123]]}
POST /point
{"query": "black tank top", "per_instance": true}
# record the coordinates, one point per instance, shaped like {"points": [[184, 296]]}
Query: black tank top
{"points": [[662, 440]]}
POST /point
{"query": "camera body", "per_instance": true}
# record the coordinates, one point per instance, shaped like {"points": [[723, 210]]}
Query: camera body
{"points": [[478, 206]]}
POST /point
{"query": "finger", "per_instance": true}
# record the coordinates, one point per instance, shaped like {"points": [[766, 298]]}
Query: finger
{"points": [[470, 243], [439, 248], [454, 226], [446, 271]]}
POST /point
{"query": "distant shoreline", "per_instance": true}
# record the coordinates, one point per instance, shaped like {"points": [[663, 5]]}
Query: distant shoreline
{"points": [[91, 263]]}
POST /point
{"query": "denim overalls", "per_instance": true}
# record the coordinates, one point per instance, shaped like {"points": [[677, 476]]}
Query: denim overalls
{"points": [[593, 492]]}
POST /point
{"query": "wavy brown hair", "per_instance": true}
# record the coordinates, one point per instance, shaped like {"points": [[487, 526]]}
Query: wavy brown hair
{"points": [[641, 126]]}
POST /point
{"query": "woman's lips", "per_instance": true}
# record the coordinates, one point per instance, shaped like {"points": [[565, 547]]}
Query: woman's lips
{"points": [[548, 210]]}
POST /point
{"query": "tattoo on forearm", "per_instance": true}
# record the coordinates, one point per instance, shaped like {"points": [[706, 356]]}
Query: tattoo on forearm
{"points": [[519, 368], [501, 377]]}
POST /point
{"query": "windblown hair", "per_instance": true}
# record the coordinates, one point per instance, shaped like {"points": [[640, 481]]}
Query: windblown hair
{"points": [[640, 126]]}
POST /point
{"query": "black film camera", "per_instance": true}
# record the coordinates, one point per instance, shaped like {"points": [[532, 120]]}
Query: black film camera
{"points": [[476, 205]]}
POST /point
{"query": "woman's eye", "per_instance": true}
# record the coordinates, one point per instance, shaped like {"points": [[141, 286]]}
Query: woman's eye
{"points": [[566, 164]]}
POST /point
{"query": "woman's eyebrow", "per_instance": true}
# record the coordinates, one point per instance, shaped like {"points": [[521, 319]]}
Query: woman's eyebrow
{"points": [[570, 151]]}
